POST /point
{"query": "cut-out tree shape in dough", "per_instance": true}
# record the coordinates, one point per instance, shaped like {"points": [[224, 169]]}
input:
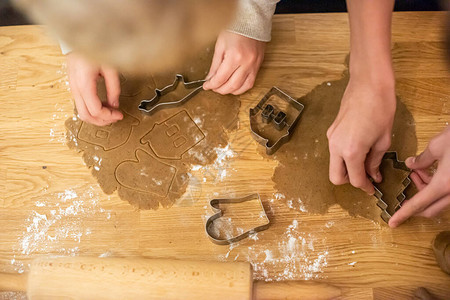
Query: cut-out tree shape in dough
{"points": [[146, 174], [108, 137], [174, 136]]}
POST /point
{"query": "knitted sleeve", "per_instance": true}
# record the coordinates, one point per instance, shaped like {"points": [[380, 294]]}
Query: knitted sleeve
{"points": [[254, 19]]}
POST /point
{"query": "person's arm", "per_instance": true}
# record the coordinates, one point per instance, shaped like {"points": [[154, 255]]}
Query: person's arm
{"points": [[361, 132], [434, 189], [239, 50]]}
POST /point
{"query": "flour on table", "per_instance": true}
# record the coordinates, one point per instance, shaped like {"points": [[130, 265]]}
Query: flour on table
{"points": [[58, 223], [290, 256]]}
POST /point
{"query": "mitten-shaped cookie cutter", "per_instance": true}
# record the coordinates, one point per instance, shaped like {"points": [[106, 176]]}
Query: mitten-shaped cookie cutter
{"points": [[209, 226]]}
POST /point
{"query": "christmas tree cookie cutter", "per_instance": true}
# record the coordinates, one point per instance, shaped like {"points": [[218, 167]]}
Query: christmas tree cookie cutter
{"points": [[389, 204]]}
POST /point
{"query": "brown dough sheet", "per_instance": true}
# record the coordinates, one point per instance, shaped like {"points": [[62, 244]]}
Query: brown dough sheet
{"points": [[147, 158], [302, 173]]}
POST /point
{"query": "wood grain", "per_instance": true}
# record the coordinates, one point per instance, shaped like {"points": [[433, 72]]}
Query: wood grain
{"points": [[50, 203]]}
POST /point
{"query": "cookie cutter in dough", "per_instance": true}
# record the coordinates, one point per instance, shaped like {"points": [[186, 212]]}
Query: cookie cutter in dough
{"points": [[385, 207], [152, 105], [214, 203], [278, 119]]}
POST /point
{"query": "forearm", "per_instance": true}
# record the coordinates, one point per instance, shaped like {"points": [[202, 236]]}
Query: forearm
{"points": [[370, 40]]}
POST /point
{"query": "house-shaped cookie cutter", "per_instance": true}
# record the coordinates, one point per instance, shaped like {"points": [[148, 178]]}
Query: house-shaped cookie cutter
{"points": [[385, 215], [209, 226], [154, 104], [278, 119]]}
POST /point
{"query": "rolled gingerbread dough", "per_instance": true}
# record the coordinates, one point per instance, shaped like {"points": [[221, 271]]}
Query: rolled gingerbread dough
{"points": [[302, 173], [147, 158]]}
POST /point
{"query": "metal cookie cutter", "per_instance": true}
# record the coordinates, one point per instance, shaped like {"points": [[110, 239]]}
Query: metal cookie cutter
{"points": [[152, 105], [214, 203], [278, 119], [390, 207]]}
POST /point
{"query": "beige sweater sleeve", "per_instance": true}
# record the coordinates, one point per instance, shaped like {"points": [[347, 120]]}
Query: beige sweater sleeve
{"points": [[254, 19]]}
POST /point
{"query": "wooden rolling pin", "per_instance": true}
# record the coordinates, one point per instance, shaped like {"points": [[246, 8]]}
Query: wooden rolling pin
{"points": [[140, 278]]}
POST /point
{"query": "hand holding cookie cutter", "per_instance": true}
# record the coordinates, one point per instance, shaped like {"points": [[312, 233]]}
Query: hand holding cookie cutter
{"points": [[214, 203], [152, 105]]}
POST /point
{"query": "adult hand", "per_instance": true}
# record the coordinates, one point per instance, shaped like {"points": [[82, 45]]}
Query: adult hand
{"points": [[235, 64], [361, 134], [83, 76], [434, 189]]}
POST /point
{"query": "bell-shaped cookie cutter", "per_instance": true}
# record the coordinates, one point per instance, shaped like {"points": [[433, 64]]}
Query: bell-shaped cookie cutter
{"points": [[154, 104], [279, 119], [214, 203], [385, 215]]}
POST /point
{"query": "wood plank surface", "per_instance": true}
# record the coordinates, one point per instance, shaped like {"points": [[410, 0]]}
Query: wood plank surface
{"points": [[50, 203]]}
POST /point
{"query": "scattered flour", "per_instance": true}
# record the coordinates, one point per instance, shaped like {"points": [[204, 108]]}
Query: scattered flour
{"points": [[58, 132], [279, 196], [298, 205], [269, 256], [293, 257], [60, 221], [198, 121], [196, 167], [254, 236], [329, 224], [219, 169], [157, 182], [106, 254]]}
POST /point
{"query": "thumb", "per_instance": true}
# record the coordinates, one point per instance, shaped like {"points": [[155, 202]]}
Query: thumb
{"points": [[215, 64], [112, 83], [422, 161]]}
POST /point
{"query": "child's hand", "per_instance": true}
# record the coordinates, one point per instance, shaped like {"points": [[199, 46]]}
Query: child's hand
{"points": [[235, 64], [361, 134], [434, 190], [83, 77]]}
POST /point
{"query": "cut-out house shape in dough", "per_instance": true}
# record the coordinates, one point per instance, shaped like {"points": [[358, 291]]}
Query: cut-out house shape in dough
{"points": [[174, 136], [101, 136]]}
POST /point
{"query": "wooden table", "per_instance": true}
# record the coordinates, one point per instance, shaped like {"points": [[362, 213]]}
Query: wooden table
{"points": [[50, 203]]}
